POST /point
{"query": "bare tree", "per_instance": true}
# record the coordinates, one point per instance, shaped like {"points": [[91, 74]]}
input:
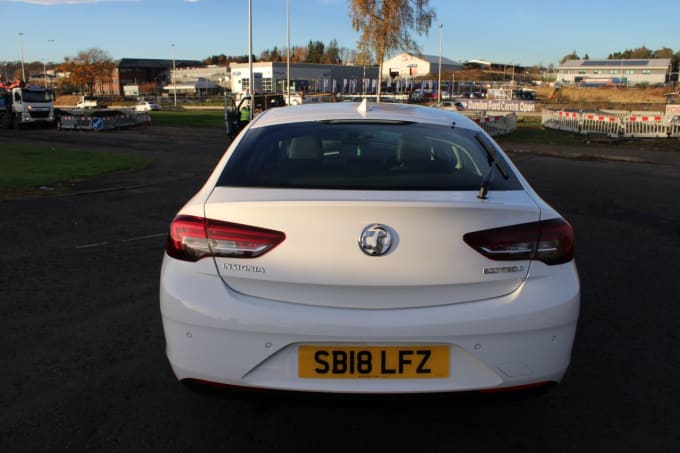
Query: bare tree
{"points": [[386, 25]]}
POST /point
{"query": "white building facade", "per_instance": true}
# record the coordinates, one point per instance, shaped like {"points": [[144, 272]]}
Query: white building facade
{"points": [[406, 65], [214, 73], [616, 72], [270, 77]]}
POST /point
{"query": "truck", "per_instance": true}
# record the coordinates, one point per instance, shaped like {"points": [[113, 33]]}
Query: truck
{"points": [[22, 104], [235, 114], [5, 108], [90, 102]]}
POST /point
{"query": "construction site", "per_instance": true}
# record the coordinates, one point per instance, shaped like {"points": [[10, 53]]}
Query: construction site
{"points": [[581, 98]]}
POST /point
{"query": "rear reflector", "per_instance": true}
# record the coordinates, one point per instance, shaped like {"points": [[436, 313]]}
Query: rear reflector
{"points": [[550, 241], [192, 238]]}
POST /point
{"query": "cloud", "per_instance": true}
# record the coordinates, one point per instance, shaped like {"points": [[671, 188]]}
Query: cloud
{"points": [[65, 2]]}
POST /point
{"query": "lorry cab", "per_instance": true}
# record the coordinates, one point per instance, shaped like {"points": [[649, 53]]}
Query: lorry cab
{"points": [[25, 104]]}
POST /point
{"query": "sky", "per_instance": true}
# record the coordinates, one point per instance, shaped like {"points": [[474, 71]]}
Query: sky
{"points": [[526, 32]]}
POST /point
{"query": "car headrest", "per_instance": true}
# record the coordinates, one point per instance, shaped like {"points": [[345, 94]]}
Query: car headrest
{"points": [[414, 150], [304, 147]]}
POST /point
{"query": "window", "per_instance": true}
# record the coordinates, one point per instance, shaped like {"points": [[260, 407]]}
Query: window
{"points": [[37, 96], [364, 156], [267, 84]]}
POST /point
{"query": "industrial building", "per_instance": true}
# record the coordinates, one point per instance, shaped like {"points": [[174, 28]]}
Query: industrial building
{"points": [[138, 71], [631, 72], [198, 79], [406, 65], [270, 77]]}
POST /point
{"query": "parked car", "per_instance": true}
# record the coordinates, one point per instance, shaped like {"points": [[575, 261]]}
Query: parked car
{"points": [[293, 98], [146, 106], [368, 248], [90, 102], [450, 105]]}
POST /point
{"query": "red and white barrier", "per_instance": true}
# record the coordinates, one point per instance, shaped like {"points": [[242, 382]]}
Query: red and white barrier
{"points": [[614, 124], [496, 125]]}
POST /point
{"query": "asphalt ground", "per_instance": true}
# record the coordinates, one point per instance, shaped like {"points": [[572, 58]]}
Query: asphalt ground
{"points": [[82, 358]]}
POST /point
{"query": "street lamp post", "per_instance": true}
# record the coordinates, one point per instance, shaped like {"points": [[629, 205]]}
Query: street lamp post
{"points": [[174, 78], [251, 79], [288, 50], [21, 52], [51, 41], [439, 81]]}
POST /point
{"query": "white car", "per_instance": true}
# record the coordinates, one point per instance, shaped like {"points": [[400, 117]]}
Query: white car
{"points": [[146, 106], [293, 98], [380, 248], [450, 105]]}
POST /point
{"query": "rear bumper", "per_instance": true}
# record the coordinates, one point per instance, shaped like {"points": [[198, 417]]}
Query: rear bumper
{"points": [[217, 335]]}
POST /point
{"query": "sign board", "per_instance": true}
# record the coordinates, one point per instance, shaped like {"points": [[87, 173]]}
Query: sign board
{"points": [[499, 105], [131, 90], [672, 109], [97, 123]]}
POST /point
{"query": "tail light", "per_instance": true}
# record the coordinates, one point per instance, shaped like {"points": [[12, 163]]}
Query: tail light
{"points": [[192, 238], [550, 241]]}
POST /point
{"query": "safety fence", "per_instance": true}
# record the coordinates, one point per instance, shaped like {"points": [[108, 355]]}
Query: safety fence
{"points": [[494, 123], [614, 123], [101, 120]]}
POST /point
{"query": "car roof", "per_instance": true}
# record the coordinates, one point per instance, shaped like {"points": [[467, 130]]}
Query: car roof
{"points": [[353, 111]]}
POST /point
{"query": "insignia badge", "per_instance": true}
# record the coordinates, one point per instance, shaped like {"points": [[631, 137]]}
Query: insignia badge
{"points": [[375, 240]]}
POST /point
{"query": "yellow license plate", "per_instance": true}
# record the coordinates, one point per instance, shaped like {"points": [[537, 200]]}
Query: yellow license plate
{"points": [[396, 362]]}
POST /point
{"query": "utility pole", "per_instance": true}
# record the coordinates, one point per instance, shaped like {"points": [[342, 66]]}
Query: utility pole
{"points": [[288, 50], [174, 77], [439, 81], [51, 41]]}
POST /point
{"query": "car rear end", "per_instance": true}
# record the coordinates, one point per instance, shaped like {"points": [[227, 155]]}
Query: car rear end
{"points": [[351, 249]]}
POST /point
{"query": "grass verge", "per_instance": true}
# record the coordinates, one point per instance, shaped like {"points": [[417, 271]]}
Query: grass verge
{"points": [[191, 118], [26, 169], [532, 132]]}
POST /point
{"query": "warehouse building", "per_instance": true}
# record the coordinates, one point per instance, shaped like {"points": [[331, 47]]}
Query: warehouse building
{"points": [[270, 77], [406, 65]]}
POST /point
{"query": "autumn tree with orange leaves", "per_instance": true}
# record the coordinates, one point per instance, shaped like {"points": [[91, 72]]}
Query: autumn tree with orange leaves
{"points": [[386, 25], [88, 68]]}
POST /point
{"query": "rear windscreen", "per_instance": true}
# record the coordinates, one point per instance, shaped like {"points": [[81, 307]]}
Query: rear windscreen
{"points": [[365, 156]]}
